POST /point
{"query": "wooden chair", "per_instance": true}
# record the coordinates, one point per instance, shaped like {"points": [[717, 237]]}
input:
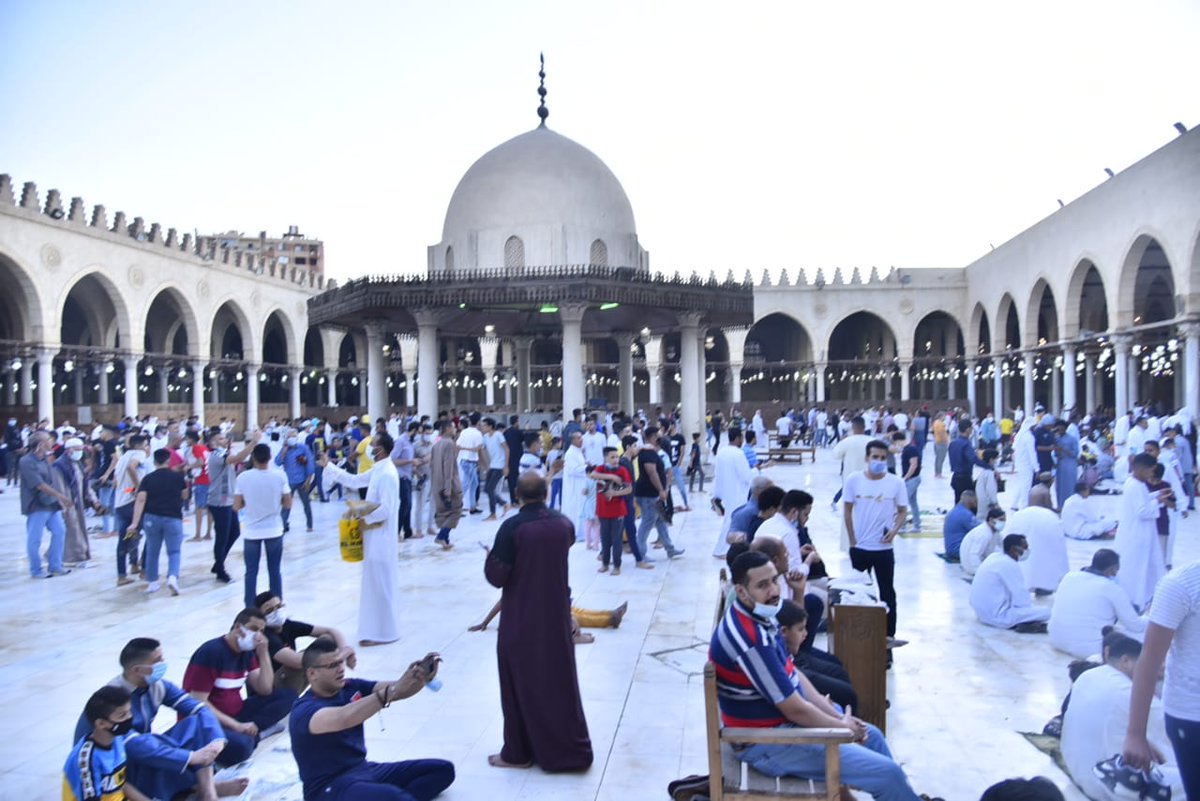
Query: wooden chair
{"points": [[730, 779]]}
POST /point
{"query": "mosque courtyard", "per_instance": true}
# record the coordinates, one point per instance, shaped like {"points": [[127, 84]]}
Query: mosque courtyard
{"points": [[961, 694]]}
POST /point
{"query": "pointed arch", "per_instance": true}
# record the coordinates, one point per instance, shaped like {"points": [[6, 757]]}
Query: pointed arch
{"points": [[1146, 286], [1085, 308], [1041, 315]]}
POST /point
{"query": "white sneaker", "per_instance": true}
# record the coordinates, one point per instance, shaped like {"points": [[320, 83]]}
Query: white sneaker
{"points": [[153, 588], [173, 585]]}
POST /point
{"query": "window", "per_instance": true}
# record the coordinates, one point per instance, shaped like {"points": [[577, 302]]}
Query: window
{"points": [[599, 253], [301, 260], [514, 252], [450, 259]]}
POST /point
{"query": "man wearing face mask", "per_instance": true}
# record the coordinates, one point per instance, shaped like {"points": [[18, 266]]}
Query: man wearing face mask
{"points": [[300, 467], [422, 510], [221, 667], [758, 686], [875, 506], [96, 767], [981, 542], [1089, 600], [42, 506], [999, 595], [282, 633], [72, 482], [180, 758], [221, 475]]}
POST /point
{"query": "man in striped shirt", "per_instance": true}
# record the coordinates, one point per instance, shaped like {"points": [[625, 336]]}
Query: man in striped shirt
{"points": [[758, 686]]}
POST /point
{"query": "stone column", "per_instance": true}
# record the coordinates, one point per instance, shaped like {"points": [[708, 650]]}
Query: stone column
{"points": [[1068, 378], [164, 384], [252, 396], [25, 389], [970, 374], [103, 381], [489, 347], [625, 341], [1121, 345], [427, 362], [905, 379], [523, 346], [1089, 381], [215, 388], [10, 389], [45, 382], [376, 389], [408, 359], [998, 386], [571, 315], [1027, 375], [506, 378], [131, 384], [362, 390], [1056, 390], [653, 348], [689, 379], [331, 399], [294, 376], [702, 377], [198, 391], [1191, 367], [821, 367], [735, 338], [77, 386]]}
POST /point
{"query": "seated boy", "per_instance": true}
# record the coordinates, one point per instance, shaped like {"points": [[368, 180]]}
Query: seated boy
{"points": [[95, 770]]}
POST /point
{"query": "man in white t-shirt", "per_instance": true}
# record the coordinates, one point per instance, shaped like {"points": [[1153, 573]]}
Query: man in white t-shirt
{"points": [[261, 494], [593, 443], [470, 445], [1173, 636], [875, 505], [783, 427], [128, 472]]}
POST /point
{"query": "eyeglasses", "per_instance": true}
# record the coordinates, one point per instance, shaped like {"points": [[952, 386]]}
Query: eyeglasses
{"points": [[331, 665]]}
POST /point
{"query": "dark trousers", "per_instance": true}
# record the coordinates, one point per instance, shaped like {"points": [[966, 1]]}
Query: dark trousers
{"points": [[631, 532], [883, 565], [264, 711], [127, 547], [815, 608], [514, 472], [824, 677], [406, 507], [304, 499], [960, 482], [228, 529], [611, 547], [1185, 740], [490, 485], [414, 780], [696, 474]]}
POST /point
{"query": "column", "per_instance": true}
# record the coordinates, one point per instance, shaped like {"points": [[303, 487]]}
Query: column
{"points": [[427, 362], [690, 380], [408, 360], [1068, 378], [26, 383], [45, 382], [523, 345], [625, 342], [215, 387], [252, 396], [164, 383], [1089, 381], [735, 338], [507, 378], [1056, 389], [198, 391], [331, 399], [376, 389], [362, 390], [972, 406], [1121, 344], [1027, 374], [905, 379], [571, 315], [998, 386], [10, 390], [489, 348], [131, 384], [702, 373], [653, 348], [820, 368], [294, 376], [102, 380], [1191, 367]]}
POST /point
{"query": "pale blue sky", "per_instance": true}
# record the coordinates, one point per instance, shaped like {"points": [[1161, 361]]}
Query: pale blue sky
{"points": [[747, 135]]}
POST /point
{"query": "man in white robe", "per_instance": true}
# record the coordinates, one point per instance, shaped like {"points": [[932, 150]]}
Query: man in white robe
{"points": [[1121, 434], [981, 542], [1025, 463], [576, 484], [1088, 600], [378, 607], [1137, 533], [731, 484], [1082, 520], [999, 594], [1047, 562]]}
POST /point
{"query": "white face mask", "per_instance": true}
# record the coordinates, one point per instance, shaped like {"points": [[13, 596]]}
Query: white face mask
{"points": [[245, 640], [768, 611], [275, 618], [998, 526], [1024, 555], [76, 455], [292, 442]]}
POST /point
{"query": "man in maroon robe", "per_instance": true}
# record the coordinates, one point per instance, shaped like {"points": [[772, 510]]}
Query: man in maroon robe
{"points": [[539, 688]]}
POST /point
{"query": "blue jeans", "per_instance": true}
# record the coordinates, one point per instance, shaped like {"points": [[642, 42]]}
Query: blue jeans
{"points": [[253, 552], [868, 767], [263, 711], [413, 780], [631, 532], [651, 519], [127, 547], [556, 493], [35, 524], [469, 473], [158, 530], [1185, 740], [677, 474], [304, 499], [105, 495], [911, 485]]}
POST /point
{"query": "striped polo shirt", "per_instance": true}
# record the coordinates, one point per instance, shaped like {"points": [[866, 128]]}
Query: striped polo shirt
{"points": [[218, 670], [753, 668]]}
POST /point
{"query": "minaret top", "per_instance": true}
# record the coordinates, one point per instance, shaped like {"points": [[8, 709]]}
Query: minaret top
{"points": [[542, 111]]}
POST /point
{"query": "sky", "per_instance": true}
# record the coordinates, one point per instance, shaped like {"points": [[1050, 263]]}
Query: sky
{"points": [[760, 135]]}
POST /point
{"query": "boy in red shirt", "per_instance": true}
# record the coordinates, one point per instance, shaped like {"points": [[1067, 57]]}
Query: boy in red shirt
{"points": [[613, 483]]}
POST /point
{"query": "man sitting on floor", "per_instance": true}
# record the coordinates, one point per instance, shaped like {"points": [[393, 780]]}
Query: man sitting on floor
{"points": [[999, 595], [327, 733], [1087, 601], [221, 667], [981, 542], [1081, 520], [758, 686], [282, 632], [1040, 495], [181, 757], [960, 520]]}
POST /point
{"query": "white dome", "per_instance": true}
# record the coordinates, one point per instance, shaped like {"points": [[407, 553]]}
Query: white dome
{"points": [[553, 194]]}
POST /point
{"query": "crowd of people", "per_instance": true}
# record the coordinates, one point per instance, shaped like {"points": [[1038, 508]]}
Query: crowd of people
{"points": [[608, 481]]}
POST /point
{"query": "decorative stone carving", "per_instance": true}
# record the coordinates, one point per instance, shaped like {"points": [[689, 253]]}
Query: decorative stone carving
{"points": [[136, 276], [202, 288], [255, 299], [906, 306], [51, 258]]}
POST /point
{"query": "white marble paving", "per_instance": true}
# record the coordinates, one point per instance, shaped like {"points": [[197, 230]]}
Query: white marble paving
{"points": [[960, 693]]}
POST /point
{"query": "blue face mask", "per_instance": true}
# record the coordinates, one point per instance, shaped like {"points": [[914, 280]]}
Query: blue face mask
{"points": [[877, 468], [767, 610], [157, 671]]}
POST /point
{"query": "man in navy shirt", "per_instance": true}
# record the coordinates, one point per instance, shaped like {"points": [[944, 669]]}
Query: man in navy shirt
{"points": [[963, 459], [960, 520], [327, 733]]}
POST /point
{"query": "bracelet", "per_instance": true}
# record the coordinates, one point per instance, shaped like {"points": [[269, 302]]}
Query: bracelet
{"points": [[382, 699]]}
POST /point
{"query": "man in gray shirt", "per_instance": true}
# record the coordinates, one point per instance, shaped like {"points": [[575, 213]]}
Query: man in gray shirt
{"points": [[222, 474], [42, 506], [402, 456]]}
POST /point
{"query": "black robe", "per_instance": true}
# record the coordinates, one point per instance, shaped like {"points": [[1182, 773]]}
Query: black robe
{"points": [[539, 687]]}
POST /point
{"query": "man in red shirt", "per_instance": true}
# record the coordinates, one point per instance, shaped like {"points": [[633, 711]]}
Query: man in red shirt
{"points": [[197, 462], [613, 484]]}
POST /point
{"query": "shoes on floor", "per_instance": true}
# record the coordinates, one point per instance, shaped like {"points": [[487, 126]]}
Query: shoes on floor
{"points": [[62, 572], [173, 585], [152, 588], [123, 580]]}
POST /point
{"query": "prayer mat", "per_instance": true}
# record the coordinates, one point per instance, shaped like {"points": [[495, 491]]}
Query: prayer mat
{"points": [[923, 534], [1049, 746]]}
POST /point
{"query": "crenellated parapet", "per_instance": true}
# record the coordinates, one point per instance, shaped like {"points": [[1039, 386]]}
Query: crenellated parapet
{"points": [[138, 234]]}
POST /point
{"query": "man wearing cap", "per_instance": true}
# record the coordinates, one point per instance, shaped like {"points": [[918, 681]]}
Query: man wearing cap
{"points": [[71, 481], [42, 506]]}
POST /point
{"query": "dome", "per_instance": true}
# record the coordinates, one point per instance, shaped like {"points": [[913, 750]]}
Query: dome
{"points": [[552, 194]]}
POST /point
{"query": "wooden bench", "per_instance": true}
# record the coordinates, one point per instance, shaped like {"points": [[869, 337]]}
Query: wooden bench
{"points": [[799, 452], [730, 779]]}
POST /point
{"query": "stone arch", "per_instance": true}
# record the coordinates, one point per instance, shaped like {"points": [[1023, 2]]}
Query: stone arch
{"points": [[348, 352], [938, 333], [1085, 308], [981, 330], [449, 258], [1146, 285], [778, 337], [862, 350], [279, 339], [100, 300], [20, 305], [232, 336], [1006, 335], [168, 312], [1041, 315], [598, 253], [514, 252], [314, 348], [1192, 298]]}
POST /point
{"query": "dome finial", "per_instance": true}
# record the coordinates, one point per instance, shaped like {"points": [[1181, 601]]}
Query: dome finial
{"points": [[542, 111]]}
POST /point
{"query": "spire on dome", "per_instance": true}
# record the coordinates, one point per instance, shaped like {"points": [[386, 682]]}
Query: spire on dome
{"points": [[542, 111]]}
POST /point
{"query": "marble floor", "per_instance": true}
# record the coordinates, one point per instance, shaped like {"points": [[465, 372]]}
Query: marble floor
{"points": [[960, 693]]}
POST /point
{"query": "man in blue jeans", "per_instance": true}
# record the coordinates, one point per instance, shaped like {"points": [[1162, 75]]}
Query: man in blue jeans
{"points": [[650, 490], [299, 465], [758, 686], [42, 506]]}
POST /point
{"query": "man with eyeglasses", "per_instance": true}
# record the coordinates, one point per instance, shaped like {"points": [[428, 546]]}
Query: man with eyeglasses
{"points": [[326, 727], [282, 633]]}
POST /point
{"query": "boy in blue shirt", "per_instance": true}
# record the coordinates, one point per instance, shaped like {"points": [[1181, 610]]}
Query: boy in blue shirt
{"points": [[95, 770]]}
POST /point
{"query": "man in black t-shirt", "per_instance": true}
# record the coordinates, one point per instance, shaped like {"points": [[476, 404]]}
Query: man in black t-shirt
{"points": [[158, 510], [651, 493], [104, 450], [282, 633]]}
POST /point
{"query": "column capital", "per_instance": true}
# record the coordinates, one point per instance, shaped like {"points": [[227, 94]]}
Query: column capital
{"points": [[572, 312], [488, 347], [425, 316], [523, 342], [689, 319], [375, 327], [1121, 343], [1189, 329], [625, 339]]}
